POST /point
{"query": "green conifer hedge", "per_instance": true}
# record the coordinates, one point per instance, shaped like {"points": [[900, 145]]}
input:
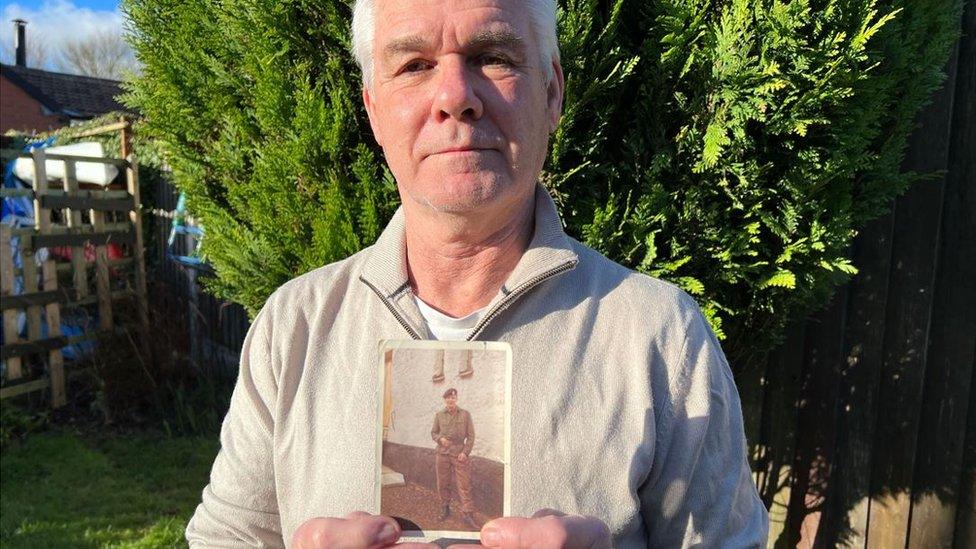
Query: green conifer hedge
{"points": [[732, 147]]}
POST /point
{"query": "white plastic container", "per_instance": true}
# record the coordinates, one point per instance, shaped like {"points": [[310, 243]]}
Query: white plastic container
{"points": [[85, 172]]}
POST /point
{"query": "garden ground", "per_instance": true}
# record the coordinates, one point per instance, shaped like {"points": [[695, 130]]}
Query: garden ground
{"points": [[71, 488], [422, 506]]}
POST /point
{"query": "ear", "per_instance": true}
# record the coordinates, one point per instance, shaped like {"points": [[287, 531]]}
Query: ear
{"points": [[554, 96], [371, 113]]}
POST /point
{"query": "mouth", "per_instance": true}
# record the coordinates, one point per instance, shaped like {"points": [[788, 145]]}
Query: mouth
{"points": [[461, 150]]}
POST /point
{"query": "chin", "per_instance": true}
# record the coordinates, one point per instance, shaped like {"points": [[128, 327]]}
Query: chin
{"points": [[460, 195]]}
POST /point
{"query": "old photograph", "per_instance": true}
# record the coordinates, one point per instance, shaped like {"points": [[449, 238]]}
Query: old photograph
{"points": [[444, 449]]}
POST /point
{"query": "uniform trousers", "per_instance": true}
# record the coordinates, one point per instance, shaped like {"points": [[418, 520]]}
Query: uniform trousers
{"points": [[449, 469]]}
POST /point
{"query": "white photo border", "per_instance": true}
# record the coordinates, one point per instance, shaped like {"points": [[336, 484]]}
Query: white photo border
{"points": [[394, 344]]}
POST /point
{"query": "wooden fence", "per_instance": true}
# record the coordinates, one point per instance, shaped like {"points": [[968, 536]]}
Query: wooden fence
{"points": [[97, 218], [214, 328], [863, 424]]}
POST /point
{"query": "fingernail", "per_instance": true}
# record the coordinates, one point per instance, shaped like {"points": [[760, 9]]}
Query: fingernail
{"points": [[387, 534], [491, 536]]}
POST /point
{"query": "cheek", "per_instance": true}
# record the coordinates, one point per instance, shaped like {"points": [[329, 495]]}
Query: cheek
{"points": [[526, 118], [402, 125]]}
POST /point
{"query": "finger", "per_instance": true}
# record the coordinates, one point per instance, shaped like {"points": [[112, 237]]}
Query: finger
{"points": [[382, 526], [572, 532], [360, 531], [372, 530]]}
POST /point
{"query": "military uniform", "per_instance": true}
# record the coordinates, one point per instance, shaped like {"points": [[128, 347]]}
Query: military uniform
{"points": [[458, 428]]}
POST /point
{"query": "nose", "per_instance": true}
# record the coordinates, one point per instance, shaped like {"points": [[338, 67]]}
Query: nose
{"points": [[455, 94]]}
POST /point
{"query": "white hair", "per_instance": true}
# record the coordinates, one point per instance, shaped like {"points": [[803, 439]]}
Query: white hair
{"points": [[542, 15]]}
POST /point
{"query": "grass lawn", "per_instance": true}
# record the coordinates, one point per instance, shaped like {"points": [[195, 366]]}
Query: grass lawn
{"points": [[63, 489]]}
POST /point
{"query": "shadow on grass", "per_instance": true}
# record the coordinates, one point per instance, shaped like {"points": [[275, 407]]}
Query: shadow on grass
{"points": [[62, 489]]}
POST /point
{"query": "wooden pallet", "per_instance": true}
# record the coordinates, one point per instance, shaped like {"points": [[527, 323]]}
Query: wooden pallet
{"points": [[43, 293]]}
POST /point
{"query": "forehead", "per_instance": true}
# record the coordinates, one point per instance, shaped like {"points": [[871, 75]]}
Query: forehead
{"points": [[446, 24]]}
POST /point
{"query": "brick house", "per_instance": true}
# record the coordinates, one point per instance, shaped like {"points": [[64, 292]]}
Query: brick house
{"points": [[35, 100]]}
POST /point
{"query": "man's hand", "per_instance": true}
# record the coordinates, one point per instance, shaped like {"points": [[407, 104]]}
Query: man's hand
{"points": [[462, 458], [356, 531], [444, 441], [546, 529]]}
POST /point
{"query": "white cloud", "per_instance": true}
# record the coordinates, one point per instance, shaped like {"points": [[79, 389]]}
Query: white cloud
{"points": [[54, 23]]}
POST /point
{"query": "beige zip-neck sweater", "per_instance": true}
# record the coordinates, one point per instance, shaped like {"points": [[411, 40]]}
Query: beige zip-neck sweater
{"points": [[623, 405]]}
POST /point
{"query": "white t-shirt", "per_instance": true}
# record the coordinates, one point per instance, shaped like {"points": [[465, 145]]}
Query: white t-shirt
{"points": [[447, 328]]}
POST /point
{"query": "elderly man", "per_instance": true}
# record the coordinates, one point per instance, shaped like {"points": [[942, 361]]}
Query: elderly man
{"points": [[625, 417]]}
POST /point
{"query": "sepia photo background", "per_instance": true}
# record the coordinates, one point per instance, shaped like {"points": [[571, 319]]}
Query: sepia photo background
{"points": [[416, 398]]}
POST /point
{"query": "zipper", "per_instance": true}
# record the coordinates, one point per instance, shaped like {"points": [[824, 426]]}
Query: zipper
{"points": [[501, 306], [396, 314], [514, 294]]}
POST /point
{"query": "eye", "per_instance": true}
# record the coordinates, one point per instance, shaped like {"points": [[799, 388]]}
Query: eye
{"points": [[415, 65], [493, 59]]}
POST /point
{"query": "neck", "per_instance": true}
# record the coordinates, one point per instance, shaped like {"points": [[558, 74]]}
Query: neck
{"points": [[456, 264]]}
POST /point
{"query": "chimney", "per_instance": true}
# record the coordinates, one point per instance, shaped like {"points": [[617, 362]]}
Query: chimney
{"points": [[21, 44]]}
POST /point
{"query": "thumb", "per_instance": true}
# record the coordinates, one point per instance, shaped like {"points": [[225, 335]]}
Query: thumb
{"points": [[552, 530]]}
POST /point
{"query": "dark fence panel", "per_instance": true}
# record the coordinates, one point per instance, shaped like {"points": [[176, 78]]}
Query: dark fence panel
{"points": [[882, 434], [215, 329]]}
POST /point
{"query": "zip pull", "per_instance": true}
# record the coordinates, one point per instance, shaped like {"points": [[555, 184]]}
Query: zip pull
{"points": [[514, 294], [396, 314]]}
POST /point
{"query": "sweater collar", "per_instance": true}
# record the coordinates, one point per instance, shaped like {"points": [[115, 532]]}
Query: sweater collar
{"points": [[385, 268]]}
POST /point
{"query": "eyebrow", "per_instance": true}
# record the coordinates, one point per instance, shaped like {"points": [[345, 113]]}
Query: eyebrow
{"points": [[504, 39], [406, 44]]}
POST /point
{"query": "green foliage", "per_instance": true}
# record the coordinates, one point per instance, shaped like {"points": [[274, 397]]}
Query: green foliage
{"points": [[749, 142], [257, 103], [170, 392], [193, 406], [17, 422], [732, 147]]}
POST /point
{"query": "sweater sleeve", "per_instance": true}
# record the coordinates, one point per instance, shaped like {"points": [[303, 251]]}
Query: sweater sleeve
{"points": [[239, 506], [700, 490]]}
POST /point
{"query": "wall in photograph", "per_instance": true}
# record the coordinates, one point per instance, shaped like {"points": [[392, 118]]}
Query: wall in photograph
{"points": [[416, 398]]}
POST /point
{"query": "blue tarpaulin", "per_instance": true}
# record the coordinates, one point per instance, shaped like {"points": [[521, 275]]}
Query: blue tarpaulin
{"points": [[18, 211]]}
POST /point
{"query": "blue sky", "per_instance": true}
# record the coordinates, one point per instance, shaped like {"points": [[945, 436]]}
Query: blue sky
{"points": [[54, 22], [98, 5]]}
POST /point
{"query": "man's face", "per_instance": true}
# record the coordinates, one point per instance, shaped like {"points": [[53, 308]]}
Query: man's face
{"points": [[450, 402], [458, 101]]}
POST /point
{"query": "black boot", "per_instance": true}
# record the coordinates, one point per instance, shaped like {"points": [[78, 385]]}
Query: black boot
{"points": [[445, 512]]}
